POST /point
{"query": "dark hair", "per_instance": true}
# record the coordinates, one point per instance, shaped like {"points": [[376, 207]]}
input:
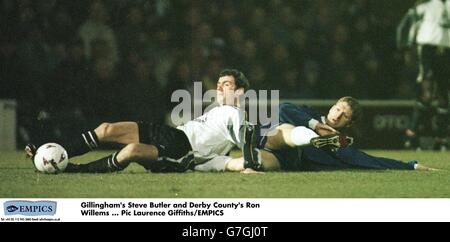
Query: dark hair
{"points": [[239, 78], [354, 104]]}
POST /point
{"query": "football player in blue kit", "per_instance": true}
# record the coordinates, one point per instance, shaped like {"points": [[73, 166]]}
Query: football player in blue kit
{"points": [[342, 115], [304, 125]]}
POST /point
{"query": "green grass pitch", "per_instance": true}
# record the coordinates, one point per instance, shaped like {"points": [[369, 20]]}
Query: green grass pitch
{"points": [[19, 180]]}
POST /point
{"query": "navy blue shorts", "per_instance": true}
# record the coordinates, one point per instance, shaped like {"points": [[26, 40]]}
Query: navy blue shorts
{"points": [[172, 144]]}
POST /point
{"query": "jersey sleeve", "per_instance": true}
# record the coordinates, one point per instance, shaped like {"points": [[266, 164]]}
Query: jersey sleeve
{"points": [[298, 115]]}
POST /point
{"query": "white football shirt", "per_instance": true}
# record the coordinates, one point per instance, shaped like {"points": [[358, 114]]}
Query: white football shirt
{"points": [[215, 133], [435, 26]]}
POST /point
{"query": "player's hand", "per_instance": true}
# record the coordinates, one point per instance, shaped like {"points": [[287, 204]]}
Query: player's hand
{"points": [[425, 168], [323, 130], [251, 171]]}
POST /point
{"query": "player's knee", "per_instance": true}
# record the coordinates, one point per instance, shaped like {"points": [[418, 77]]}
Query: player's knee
{"points": [[131, 151], [103, 129]]}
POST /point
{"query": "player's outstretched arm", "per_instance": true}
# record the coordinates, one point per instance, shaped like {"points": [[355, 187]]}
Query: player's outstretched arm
{"points": [[425, 168]]}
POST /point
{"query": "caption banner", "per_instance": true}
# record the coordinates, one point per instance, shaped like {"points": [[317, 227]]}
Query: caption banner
{"points": [[223, 210], [162, 209]]}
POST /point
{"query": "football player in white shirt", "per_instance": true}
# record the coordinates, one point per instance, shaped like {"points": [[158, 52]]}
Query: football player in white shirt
{"points": [[161, 148], [432, 84]]}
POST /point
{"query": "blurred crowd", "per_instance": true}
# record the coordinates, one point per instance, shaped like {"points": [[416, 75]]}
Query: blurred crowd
{"points": [[121, 59]]}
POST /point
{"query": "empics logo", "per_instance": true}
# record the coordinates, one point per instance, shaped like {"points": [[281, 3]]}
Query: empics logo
{"points": [[30, 208], [11, 208]]}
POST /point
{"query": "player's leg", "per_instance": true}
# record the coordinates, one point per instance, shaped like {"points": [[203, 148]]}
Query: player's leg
{"points": [[161, 149], [142, 154], [251, 151], [269, 163], [422, 109], [174, 151], [442, 76], [288, 136], [121, 133], [442, 120]]}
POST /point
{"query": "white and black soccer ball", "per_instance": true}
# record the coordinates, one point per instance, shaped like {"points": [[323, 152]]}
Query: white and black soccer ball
{"points": [[51, 158]]}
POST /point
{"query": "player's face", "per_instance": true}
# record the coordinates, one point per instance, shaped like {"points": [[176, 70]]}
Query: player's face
{"points": [[339, 115], [226, 87]]}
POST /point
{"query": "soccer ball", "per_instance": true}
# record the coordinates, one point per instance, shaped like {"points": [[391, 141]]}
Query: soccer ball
{"points": [[51, 158]]}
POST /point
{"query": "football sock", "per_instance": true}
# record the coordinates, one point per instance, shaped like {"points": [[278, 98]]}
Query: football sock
{"points": [[104, 165], [88, 141], [301, 136]]}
